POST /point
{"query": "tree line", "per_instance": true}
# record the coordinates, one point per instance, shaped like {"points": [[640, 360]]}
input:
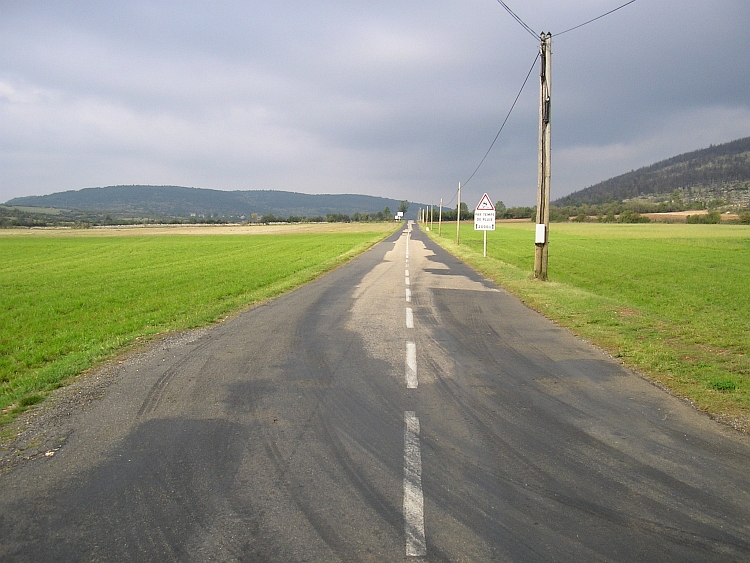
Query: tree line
{"points": [[621, 212], [15, 217]]}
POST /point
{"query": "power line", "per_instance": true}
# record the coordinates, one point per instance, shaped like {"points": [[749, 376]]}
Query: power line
{"points": [[519, 20], [536, 35], [533, 34], [596, 18], [452, 199], [506, 119]]}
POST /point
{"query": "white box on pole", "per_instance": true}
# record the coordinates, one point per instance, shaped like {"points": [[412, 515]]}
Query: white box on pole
{"points": [[541, 234]]}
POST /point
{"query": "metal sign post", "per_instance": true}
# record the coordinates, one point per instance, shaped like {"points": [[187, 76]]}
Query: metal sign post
{"points": [[484, 218]]}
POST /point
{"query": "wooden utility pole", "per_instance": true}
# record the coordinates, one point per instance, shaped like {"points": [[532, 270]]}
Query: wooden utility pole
{"points": [[432, 215], [541, 239], [440, 218], [458, 216]]}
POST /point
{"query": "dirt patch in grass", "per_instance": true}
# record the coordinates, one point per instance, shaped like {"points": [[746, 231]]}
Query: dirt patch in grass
{"points": [[628, 312]]}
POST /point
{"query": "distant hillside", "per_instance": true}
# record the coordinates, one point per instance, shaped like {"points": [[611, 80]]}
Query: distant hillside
{"points": [[718, 172], [175, 201]]}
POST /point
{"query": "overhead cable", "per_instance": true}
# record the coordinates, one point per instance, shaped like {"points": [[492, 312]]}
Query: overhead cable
{"points": [[506, 119], [452, 199], [596, 18], [519, 20]]}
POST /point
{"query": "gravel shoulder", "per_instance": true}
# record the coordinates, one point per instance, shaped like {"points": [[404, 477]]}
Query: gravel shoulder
{"points": [[43, 430]]}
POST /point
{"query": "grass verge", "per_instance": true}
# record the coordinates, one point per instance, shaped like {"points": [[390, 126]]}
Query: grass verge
{"points": [[670, 301], [71, 299]]}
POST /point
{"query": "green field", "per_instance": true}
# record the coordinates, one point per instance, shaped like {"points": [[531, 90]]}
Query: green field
{"points": [[671, 301], [71, 299]]}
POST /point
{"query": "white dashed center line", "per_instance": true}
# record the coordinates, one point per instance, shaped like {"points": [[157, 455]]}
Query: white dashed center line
{"points": [[411, 365], [416, 546]]}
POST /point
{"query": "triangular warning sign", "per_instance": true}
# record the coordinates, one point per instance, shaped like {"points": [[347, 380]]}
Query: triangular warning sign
{"points": [[485, 204]]}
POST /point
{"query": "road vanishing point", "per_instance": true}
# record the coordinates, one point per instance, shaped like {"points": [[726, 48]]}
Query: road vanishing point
{"points": [[400, 408]]}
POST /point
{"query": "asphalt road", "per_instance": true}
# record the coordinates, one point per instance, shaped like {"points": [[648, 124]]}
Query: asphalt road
{"points": [[400, 407]]}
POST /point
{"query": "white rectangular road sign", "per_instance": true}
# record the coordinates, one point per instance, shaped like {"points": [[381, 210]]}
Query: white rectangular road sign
{"points": [[484, 220]]}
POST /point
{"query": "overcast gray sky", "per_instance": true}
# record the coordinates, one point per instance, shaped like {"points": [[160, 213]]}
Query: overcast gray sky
{"points": [[394, 98]]}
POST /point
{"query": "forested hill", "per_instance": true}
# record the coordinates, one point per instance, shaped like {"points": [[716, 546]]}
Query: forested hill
{"points": [[176, 201], [716, 170]]}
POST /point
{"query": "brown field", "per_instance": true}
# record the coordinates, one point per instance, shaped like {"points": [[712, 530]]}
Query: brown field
{"points": [[143, 230]]}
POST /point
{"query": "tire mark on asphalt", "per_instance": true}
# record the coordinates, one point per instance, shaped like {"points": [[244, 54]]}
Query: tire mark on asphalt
{"points": [[155, 394]]}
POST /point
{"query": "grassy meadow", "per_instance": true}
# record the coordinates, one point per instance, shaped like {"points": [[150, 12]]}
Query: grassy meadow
{"points": [[670, 300], [73, 298]]}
